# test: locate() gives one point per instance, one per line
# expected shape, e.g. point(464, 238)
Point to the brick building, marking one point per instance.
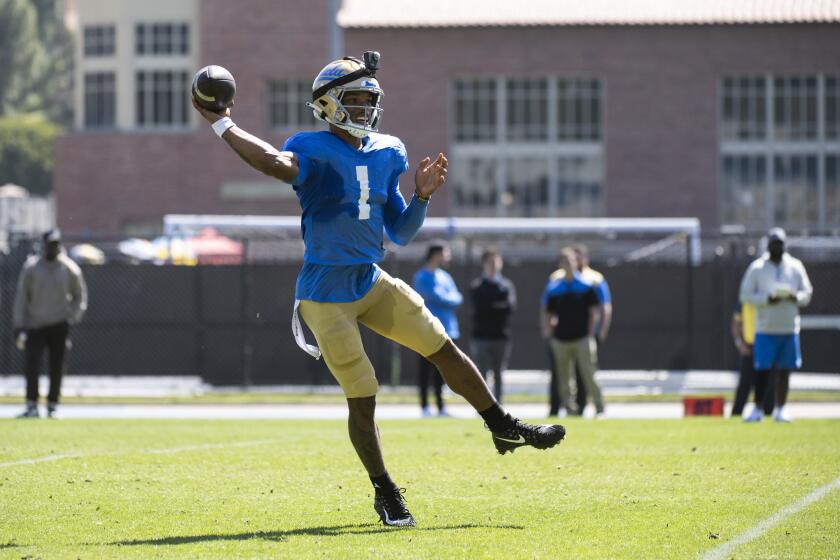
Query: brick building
point(728, 111)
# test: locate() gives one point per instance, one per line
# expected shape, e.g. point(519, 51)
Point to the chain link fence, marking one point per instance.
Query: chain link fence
point(230, 323)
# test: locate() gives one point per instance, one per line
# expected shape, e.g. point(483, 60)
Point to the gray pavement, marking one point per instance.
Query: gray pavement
point(532, 382)
point(800, 411)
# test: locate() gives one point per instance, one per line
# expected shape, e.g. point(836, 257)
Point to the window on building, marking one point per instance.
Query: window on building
point(162, 39)
point(744, 108)
point(580, 186)
point(527, 147)
point(162, 98)
point(99, 100)
point(795, 190)
point(100, 40)
point(526, 188)
point(287, 104)
point(832, 108)
point(779, 148)
point(744, 189)
point(476, 189)
point(795, 108)
point(475, 110)
point(578, 109)
point(527, 109)
point(832, 189)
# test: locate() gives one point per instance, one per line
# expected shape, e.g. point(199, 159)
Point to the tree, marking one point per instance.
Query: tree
point(55, 80)
point(21, 57)
point(26, 151)
point(36, 90)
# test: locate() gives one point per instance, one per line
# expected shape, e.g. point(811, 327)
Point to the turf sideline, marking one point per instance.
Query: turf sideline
point(163, 451)
point(724, 550)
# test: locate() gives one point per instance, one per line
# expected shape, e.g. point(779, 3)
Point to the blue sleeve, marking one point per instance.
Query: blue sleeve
point(443, 294)
point(402, 222)
point(603, 290)
point(417, 281)
point(306, 165)
point(450, 293)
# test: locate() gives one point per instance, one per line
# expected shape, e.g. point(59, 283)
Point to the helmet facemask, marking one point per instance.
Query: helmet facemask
point(372, 112)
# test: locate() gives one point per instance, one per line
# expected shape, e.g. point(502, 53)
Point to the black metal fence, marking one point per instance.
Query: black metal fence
point(230, 324)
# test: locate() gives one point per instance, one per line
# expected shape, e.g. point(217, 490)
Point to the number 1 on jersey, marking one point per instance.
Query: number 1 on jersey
point(364, 192)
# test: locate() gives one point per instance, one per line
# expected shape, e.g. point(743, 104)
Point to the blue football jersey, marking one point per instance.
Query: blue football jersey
point(345, 194)
point(349, 197)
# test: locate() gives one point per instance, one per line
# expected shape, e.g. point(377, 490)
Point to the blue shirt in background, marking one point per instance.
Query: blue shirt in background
point(597, 281)
point(441, 296)
point(570, 301)
point(603, 291)
point(348, 198)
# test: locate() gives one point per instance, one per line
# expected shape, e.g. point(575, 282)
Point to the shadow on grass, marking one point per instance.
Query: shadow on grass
point(282, 536)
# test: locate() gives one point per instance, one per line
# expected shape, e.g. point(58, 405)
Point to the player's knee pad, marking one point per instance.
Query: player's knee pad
point(353, 371)
point(342, 346)
point(366, 386)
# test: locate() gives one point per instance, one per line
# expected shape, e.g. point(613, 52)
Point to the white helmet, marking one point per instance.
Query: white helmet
point(339, 77)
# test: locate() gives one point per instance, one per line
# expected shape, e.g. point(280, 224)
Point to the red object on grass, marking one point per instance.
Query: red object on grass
point(703, 406)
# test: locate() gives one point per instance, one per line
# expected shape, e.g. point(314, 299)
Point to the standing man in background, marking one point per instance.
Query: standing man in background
point(602, 325)
point(743, 333)
point(442, 297)
point(777, 284)
point(51, 295)
point(569, 313)
point(493, 300)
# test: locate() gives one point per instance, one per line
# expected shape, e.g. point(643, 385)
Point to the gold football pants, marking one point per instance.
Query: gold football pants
point(391, 308)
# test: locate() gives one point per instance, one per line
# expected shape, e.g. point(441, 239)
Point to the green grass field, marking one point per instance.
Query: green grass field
point(283, 489)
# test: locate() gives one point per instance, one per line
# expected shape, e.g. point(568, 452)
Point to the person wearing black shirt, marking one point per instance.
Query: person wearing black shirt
point(493, 300)
point(570, 307)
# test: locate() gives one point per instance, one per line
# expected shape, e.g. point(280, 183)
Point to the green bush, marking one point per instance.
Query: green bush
point(26, 151)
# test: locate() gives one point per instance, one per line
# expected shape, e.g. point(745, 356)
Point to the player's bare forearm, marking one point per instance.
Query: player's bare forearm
point(261, 155)
point(254, 151)
point(546, 322)
point(606, 321)
point(736, 328)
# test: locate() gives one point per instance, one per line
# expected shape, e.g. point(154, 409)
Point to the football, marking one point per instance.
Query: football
point(213, 88)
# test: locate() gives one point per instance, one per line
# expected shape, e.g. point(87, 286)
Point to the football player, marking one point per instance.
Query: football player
point(347, 182)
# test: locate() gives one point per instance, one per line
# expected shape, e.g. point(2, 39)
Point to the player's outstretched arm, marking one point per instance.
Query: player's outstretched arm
point(257, 153)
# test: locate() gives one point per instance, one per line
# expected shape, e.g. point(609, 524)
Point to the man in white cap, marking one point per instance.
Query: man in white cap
point(777, 284)
point(51, 295)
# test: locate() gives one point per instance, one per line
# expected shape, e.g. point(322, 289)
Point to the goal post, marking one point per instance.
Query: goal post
point(660, 233)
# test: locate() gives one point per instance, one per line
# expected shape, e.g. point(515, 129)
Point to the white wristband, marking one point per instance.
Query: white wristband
point(221, 125)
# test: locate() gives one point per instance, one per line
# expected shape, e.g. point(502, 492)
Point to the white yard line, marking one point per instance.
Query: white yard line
point(203, 446)
point(725, 549)
point(41, 459)
point(161, 451)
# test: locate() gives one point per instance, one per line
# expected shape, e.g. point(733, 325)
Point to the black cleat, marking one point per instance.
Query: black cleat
point(390, 505)
point(540, 436)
